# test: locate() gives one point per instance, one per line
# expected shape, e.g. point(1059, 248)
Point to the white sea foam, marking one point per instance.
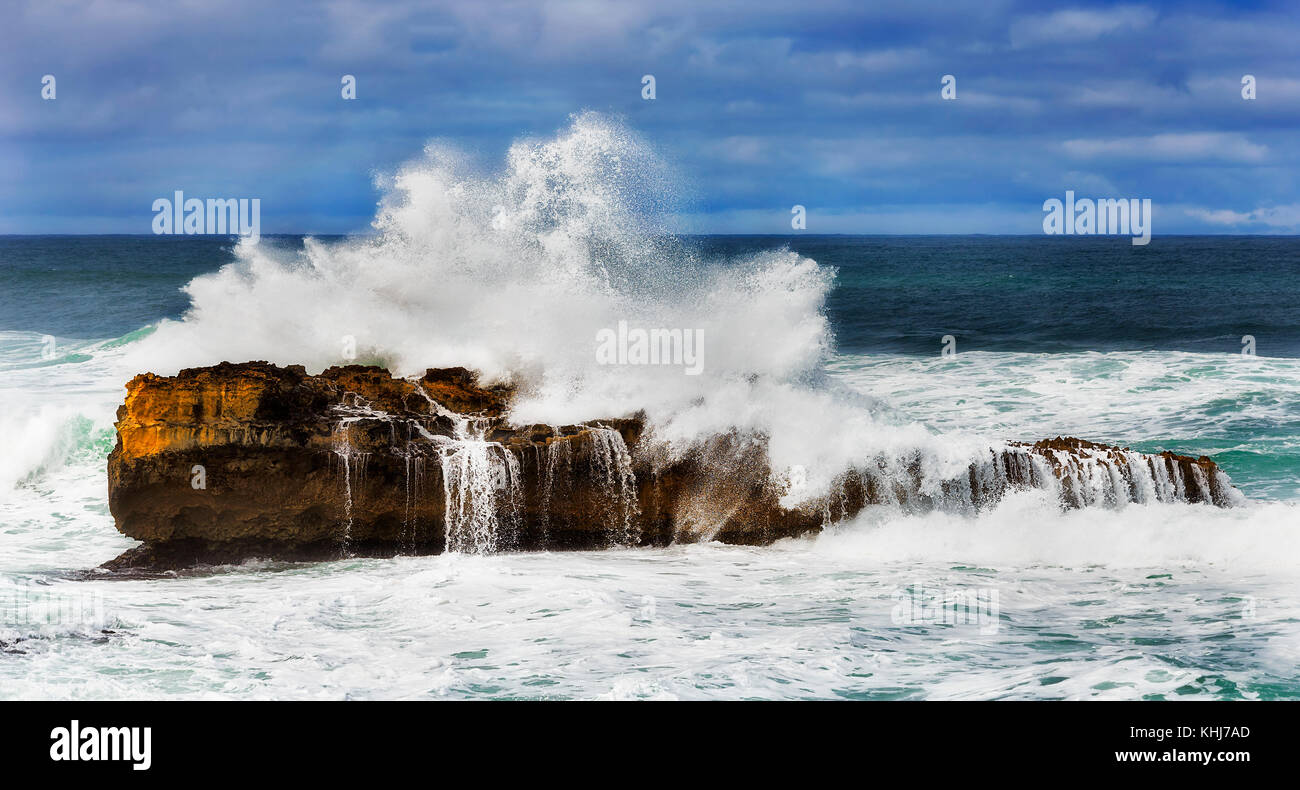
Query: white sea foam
point(1162, 600)
point(1029, 529)
point(53, 409)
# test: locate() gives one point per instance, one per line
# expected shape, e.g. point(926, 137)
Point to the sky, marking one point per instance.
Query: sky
point(759, 106)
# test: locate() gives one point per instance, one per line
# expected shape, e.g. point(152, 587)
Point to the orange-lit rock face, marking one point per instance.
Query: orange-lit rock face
point(248, 459)
point(260, 459)
point(226, 404)
point(259, 404)
point(457, 389)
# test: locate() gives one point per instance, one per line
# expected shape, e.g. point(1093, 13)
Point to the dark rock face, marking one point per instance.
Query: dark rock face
point(222, 463)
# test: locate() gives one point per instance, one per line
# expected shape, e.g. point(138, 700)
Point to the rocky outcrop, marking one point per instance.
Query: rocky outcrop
point(222, 463)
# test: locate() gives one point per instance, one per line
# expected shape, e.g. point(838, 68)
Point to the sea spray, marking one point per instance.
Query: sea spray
point(514, 273)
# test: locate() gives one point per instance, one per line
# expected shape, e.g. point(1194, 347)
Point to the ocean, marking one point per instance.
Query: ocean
point(830, 345)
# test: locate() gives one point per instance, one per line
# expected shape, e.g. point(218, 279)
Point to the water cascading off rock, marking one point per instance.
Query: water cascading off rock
point(354, 461)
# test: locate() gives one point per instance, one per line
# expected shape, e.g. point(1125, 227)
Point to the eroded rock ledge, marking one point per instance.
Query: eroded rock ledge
point(227, 462)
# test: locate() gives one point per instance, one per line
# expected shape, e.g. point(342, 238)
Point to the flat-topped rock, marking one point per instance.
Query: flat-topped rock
point(231, 461)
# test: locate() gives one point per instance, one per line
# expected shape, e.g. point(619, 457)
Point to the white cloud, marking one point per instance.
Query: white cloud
point(880, 60)
point(1179, 147)
point(1074, 25)
point(742, 150)
point(1281, 217)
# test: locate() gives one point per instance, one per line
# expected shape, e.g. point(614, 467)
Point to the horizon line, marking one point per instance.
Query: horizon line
point(754, 234)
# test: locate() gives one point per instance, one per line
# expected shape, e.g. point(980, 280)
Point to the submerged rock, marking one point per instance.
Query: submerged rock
point(233, 461)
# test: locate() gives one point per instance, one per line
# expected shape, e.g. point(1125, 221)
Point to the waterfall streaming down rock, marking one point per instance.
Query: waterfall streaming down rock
point(483, 490)
point(345, 452)
point(612, 467)
point(481, 481)
point(1076, 474)
point(556, 471)
point(580, 482)
point(414, 484)
point(1115, 478)
point(593, 468)
point(352, 462)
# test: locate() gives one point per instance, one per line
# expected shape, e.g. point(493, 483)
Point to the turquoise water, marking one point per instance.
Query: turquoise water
point(1093, 340)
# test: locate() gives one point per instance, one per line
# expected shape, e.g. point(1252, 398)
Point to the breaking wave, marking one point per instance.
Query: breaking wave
point(517, 272)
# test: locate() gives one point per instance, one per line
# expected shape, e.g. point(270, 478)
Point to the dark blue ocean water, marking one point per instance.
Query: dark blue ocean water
point(1054, 293)
point(893, 293)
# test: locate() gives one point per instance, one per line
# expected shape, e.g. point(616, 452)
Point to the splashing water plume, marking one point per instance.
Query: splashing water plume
point(515, 274)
